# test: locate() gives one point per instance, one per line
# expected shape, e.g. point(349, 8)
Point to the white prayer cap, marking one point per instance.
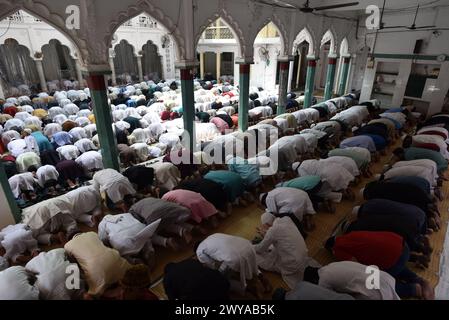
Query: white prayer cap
point(295, 166)
point(267, 218)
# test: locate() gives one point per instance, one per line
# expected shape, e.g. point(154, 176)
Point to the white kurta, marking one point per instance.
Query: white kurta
point(224, 252)
point(113, 183)
point(350, 277)
point(411, 171)
point(346, 162)
point(46, 173)
point(289, 200)
point(283, 250)
point(17, 239)
point(78, 133)
point(14, 285)
point(90, 160)
point(167, 174)
point(50, 270)
point(334, 174)
point(125, 233)
point(425, 163)
point(36, 216)
point(22, 181)
point(68, 152)
point(85, 145)
point(17, 147)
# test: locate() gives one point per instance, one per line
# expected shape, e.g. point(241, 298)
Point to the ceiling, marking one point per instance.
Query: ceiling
point(390, 4)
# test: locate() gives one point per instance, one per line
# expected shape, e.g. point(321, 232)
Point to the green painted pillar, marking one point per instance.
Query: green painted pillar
point(310, 82)
point(330, 78)
point(13, 207)
point(243, 96)
point(344, 76)
point(188, 106)
point(283, 85)
point(103, 120)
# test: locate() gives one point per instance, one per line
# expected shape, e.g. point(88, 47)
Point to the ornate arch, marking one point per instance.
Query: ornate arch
point(305, 35)
point(329, 35)
point(41, 11)
point(344, 47)
point(145, 6)
point(279, 26)
point(232, 24)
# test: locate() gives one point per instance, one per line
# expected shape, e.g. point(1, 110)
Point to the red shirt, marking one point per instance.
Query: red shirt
point(382, 249)
point(430, 146)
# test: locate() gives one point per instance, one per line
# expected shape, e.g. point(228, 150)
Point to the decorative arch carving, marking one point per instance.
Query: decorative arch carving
point(233, 26)
point(147, 7)
point(305, 35)
point(41, 11)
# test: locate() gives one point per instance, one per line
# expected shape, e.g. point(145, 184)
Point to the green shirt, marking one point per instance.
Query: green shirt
point(422, 153)
point(305, 183)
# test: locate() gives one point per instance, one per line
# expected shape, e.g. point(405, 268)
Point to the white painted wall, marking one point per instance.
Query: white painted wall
point(403, 42)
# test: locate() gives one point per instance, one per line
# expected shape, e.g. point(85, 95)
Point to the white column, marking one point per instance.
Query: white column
point(40, 72)
point(290, 76)
point(113, 76)
point(218, 62)
point(79, 74)
point(202, 65)
point(139, 67)
point(2, 92)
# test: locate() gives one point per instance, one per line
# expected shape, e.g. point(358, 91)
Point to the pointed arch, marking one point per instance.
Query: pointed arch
point(230, 23)
point(42, 12)
point(146, 7)
point(305, 36)
point(344, 47)
point(329, 35)
point(280, 29)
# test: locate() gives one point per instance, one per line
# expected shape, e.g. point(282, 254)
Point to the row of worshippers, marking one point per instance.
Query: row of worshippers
point(387, 231)
point(55, 220)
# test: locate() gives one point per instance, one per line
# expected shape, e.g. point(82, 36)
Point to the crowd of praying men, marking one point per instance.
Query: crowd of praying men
point(56, 173)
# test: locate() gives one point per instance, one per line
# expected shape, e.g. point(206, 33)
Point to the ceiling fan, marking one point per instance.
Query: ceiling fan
point(306, 8)
point(412, 27)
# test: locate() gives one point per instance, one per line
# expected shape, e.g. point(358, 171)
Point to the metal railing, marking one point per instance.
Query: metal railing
point(221, 32)
point(141, 22)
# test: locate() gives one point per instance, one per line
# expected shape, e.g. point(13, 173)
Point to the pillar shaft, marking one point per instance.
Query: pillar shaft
point(290, 76)
point(243, 96)
point(344, 76)
point(40, 72)
point(2, 91)
point(113, 75)
point(139, 67)
point(310, 80)
point(202, 65)
point(188, 107)
point(103, 120)
point(79, 74)
point(283, 83)
point(218, 63)
point(330, 78)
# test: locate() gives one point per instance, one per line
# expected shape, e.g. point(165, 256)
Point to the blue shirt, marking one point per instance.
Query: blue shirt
point(62, 138)
point(248, 172)
point(362, 141)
